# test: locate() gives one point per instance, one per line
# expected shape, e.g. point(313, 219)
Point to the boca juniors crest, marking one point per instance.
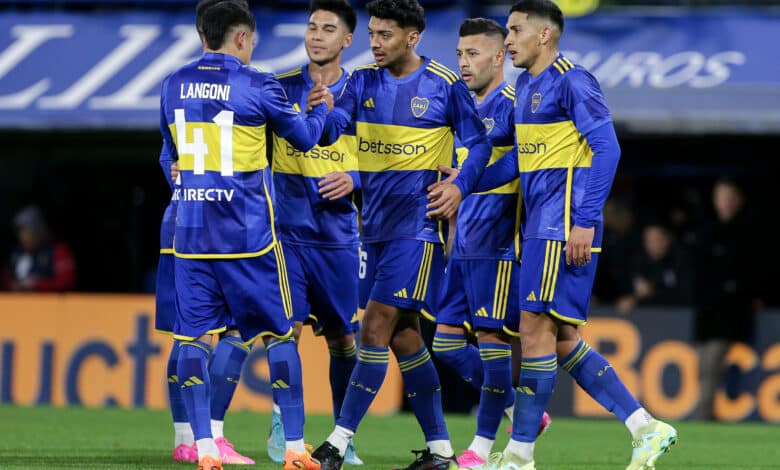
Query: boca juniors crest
point(419, 106)
point(489, 123)
point(536, 100)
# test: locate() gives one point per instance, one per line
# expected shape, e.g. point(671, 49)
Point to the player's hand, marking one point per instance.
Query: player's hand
point(336, 185)
point(175, 172)
point(319, 94)
point(451, 173)
point(579, 245)
point(445, 199)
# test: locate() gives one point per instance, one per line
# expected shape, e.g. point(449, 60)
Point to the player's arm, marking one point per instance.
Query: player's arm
point(462, 116)
point(503, 171)
point(168, 154)
point(343, 114)
point(302, 132)
point(588, 110)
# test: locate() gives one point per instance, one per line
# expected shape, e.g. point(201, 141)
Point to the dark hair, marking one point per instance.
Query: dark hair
point(342, 8)
point(220, 18)
point(204, 5)
point(541, 9)
point(407, 13)
point(488, 27)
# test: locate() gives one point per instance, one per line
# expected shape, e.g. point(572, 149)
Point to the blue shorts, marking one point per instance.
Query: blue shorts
point(324, 286)
point(365, 265)
point(406, 274)
point(165, 295)
point(549, 285)
point(481, 294)
point(251, 293)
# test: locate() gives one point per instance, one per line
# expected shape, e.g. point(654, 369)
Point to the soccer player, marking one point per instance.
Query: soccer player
point(567, 154)
point(405, 108)
point(480, 288)
point(230, 353)
point(228, 267)
point(317, 219)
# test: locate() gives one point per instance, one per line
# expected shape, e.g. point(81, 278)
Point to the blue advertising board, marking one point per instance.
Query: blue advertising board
point(697, 72)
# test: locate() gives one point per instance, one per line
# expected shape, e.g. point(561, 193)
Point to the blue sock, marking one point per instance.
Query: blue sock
point(194, 381)
point(537, 381)
point(178, 411)
point(342, 363)
point(365, 381)
point(496, 389)
point(287, 383)
point(597, 377)
point(457, 353)
point(224, 372)
point(422, 387)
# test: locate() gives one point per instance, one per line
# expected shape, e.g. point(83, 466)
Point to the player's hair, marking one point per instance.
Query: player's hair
point(204, 5)
point(341, 8)
point(488, 27)
point(544, 9)
point(220, 18)
point(407, 13)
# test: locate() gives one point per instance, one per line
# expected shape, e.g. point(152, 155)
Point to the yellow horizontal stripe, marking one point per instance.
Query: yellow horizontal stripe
point(249, 144)
point(317, 162)
point(384, 147)
point(427, 315)
point(169, 333)
point(513, 187)
point(166, 251)
point(595, 250)
point(551, 145)
point(564, 318)
point(291, 73)
point(225, 255)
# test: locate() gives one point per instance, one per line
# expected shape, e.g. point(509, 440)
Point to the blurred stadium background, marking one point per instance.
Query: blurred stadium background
point(694, 87)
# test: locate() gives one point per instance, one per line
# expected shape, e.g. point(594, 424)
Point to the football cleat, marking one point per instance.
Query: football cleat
point(655, 439)
point(276, 445)
point(209, 463)
point(470, 459)
point(228, 454)
point(328, 456)
point(426, 460)
point(185, 453)
point(350, 457)
point(295, 461)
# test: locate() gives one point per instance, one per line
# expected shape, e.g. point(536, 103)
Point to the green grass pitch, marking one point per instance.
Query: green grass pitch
point(54, 438)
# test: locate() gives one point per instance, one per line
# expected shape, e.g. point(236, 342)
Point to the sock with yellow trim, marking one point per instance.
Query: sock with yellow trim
point(342, 363)
point(364, 383)
point(284, 365)
point(597, 377)
point(537, 381)
point(225, 371)
point(455, 351)
point(496, 390)
point(195, 386)
point(182, 431)
point(422, 388)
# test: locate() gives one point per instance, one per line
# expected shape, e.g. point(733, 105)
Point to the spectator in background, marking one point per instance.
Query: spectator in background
point(726, 287)
point(661, 272)
point(39, 263)
point(613, 278)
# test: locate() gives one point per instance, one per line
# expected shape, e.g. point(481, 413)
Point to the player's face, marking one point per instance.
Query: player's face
point(388, 41)
point(479, 59)
point(326, 36)
point(523, 41)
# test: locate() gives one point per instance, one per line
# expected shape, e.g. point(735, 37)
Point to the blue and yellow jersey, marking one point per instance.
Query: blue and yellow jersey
point(488, 222)
point(553, 113)
point(304, 216)
point(214, 114)
point(405, 129)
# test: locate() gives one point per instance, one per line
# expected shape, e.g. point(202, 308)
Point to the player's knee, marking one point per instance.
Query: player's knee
point(337, 339)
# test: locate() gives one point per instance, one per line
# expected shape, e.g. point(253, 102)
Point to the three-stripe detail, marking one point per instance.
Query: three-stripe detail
point(552, 260)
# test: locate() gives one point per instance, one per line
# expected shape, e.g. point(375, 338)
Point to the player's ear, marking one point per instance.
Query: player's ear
point(347, 41)
point(412, 39)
